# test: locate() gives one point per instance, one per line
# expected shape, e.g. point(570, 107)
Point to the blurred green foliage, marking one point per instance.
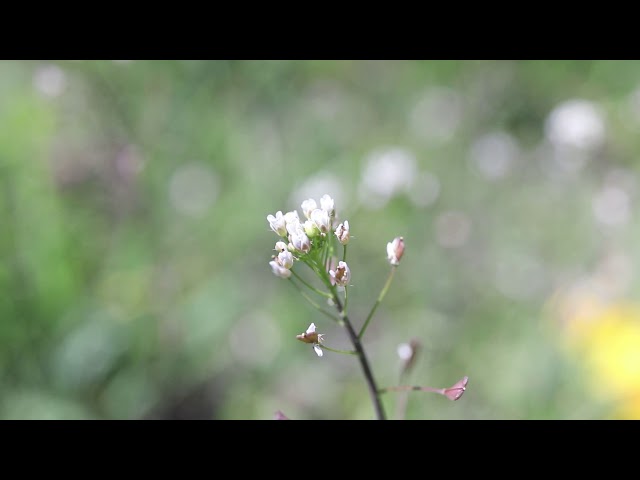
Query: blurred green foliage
point(135, 246)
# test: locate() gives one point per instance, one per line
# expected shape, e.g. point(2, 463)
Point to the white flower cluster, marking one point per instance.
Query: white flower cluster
point(300, 234)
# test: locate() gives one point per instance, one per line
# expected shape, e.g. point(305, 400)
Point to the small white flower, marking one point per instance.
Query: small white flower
point(292, 218)
point(395, 249)
point(278, 270)
point(311, 336)
point(342, 232)
point(321, 219)
point(341, 275)
point(280, 246)
point(285, 259)
point(299, 240)
point(277, 223)
point(327, 204)
point(310, 228)
point(308, 206)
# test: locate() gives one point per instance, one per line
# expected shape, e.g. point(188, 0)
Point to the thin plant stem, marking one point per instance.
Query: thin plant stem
point(405, 388)
point(364, 363)
point(344, 253)
point(311, 287)
point(346, 298)
point(383, 292)
point(402, 402)
point(346, 352)
point(312, 302)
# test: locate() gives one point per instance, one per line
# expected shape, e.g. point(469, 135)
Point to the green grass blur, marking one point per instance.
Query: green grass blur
point(134, 244)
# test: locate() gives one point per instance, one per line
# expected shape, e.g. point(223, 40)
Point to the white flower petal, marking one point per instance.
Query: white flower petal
point(311, 329)
point(318, 350)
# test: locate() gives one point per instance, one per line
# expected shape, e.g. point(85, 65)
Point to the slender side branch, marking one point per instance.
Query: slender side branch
point(311, 287)
point(314, 304)
point(383, 292)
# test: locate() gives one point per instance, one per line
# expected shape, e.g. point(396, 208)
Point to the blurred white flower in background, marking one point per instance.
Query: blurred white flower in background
point(193, 189)
point(436, 115)
point(387, 172)
point(50, 80)
point(576, 123)
point(316, 186)
point(493, 155)
point(453, 229)
point(611, 206)
point(424, 190)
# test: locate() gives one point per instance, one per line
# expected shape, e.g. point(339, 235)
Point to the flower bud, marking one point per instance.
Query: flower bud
point(342, 274)
point(342, 232)
point(308, 206)
point(321, 219)
point(285, 259)
point(278, 270)
point(311, 229)
point(455, 392)
point(395, 250)
point(280, 246)
point(300, 241)
point(277, 223)
point(327, 204)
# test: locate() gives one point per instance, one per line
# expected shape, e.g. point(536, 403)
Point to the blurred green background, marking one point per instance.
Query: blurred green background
point(135, 247)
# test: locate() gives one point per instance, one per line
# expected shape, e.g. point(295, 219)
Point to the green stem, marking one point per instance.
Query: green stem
point(383, 292)
point(344, 253)
point(405, 388)
point(346, 352)
point(311, 287)
point(346, 298)
point(312, 302)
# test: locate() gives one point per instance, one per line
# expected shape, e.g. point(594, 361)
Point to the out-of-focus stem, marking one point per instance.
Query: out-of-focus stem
point(383, 292)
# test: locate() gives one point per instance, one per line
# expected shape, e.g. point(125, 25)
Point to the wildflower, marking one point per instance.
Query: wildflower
point(279, 270)
point(308, 206)
point(341, 275)
point(342, 232)
point(299, 239)
point(395, 250)
point(327, 204)
point(285, 259)
point(321, 219)
point(277, 223)
point(280, 246)
point(291, 218)
point(310, 228)
point(280, 416)
point(311, 336)
point(455, 392)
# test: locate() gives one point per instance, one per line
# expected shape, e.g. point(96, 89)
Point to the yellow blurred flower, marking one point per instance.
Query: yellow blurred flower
point(606, 336)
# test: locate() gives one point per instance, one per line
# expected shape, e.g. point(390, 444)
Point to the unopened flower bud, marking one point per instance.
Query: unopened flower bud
point(280, 416)
point(311, 229)
point(321, 219)
point(280, 246)
point(308, 206)
point(342, 232)
point(292, 218)
point(341, 275)
point(285, 259)
point(455, 392)
point(277, 223)
point(327, 204)
point(278, 270)
point(300, 241)
point(395, 250)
